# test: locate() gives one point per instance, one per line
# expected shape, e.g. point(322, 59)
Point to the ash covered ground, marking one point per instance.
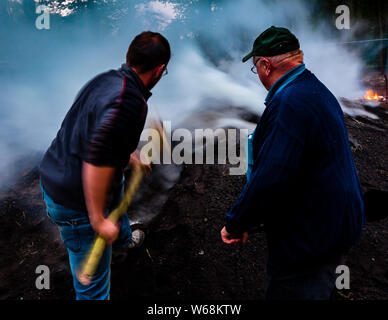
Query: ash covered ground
point(183, 256)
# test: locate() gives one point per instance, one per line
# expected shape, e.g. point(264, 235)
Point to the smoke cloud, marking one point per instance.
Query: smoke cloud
point(41, 71)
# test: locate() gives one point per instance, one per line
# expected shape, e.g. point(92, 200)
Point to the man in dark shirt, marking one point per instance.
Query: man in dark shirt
point(82, 171)
point(303, 186)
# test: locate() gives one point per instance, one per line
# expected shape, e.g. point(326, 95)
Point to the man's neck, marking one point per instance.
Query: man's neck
point(144, 77)
point(281, 72)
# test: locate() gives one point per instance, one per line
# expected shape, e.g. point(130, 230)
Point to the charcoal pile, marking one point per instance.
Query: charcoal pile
point(183, 256)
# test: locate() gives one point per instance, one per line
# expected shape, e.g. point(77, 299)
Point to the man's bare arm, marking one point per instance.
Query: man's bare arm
point(96, 184)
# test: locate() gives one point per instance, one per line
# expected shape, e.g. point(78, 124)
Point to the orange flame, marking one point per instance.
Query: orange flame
point(372, 96)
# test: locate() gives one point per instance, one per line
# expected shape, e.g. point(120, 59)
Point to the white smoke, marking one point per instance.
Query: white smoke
point(195, 79)
point(207, 41)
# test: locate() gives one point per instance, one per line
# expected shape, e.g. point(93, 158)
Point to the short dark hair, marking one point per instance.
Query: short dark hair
point(147, 51)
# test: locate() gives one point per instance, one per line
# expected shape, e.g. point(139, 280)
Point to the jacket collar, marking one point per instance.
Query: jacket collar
point(284, 81)
point(130, 73)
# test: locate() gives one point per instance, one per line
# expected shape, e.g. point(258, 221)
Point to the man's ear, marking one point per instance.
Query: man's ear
point(159, 70)
point(267, 65)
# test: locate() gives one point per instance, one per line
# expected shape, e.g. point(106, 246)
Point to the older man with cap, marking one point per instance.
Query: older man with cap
point(303, 187)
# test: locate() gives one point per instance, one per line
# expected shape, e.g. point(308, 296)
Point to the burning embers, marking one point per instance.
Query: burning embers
point(373, 96)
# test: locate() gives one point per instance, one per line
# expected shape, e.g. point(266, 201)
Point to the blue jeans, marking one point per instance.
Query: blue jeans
point(78, 236)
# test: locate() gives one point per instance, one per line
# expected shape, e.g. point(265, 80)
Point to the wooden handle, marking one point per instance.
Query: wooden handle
point(90, 264)
point(93, 258)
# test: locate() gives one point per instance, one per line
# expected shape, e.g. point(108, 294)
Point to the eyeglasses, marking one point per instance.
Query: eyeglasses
point(253, 69)
point(165, 72)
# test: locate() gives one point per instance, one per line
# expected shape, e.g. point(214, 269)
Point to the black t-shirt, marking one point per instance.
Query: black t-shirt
point(102, 127)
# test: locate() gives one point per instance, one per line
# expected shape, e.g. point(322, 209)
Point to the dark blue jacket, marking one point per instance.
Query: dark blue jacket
point(304, 185)
point(103, 128)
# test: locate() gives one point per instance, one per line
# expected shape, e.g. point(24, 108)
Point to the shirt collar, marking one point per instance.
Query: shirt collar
point(284, 81)
point(130, 73)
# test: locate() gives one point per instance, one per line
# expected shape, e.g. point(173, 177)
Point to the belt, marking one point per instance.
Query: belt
point(71, 223)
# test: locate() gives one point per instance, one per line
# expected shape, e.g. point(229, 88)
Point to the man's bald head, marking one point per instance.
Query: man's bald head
point(270, 69)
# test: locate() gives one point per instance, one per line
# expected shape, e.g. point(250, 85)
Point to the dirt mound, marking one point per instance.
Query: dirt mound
point(183, 256)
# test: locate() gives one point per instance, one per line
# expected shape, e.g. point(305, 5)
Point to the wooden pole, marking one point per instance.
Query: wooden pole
point(92, 260)
point(90, 264)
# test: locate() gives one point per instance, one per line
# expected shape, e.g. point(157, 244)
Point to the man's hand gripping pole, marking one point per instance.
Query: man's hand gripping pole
point(90, 264)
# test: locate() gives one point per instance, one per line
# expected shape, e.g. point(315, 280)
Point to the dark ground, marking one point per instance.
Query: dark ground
point(183, 256)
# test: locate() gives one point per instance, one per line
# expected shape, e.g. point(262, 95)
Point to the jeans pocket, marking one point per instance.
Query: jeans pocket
point(86, 236)
point(78, 238)
point(70, 236)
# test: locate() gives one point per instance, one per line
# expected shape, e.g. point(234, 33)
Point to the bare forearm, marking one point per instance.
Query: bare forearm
point(96, 184)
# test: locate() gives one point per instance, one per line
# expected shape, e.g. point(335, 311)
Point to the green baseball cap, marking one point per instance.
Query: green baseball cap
point(272, 42)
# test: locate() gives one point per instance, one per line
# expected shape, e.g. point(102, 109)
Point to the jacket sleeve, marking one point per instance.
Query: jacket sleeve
point(273, 173)
point(117, 134)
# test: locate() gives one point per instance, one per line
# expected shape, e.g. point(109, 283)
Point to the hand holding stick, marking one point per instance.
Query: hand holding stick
point(90, 264)
point(92, 260)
